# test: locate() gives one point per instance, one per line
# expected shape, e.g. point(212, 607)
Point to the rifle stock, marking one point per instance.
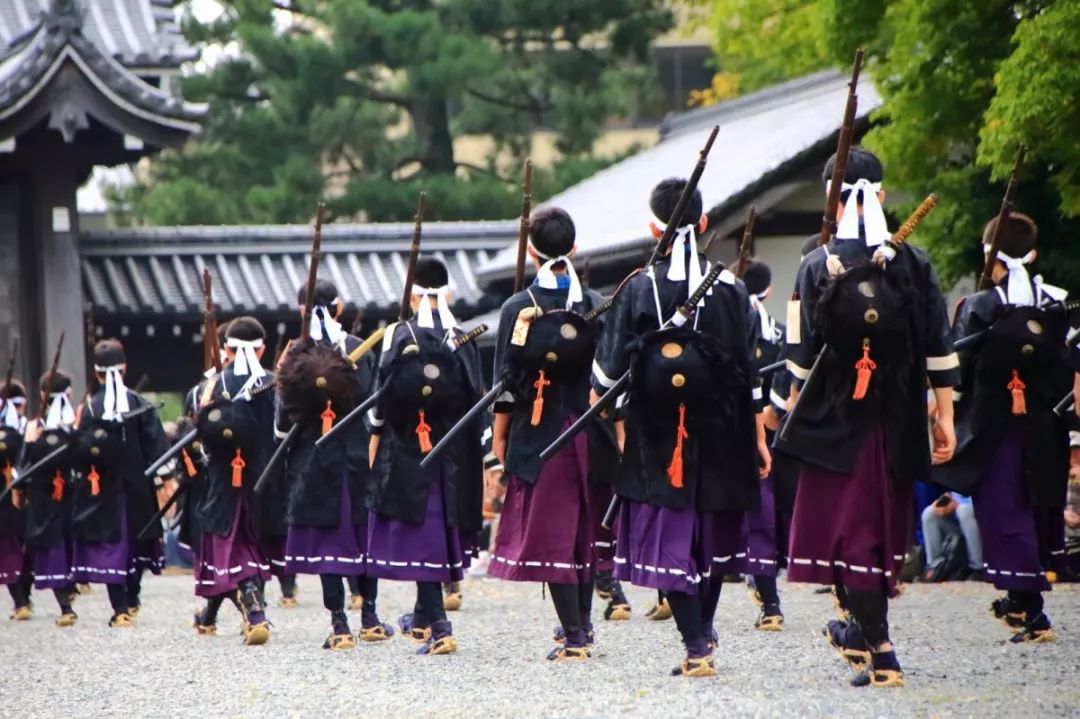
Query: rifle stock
point(843, 147)
point(50, 377)
point(986, 280)
point(414, 255)
point(523, 229)
point(664, 244)
point(211, 350)
point(746, 244)
point(313, 270)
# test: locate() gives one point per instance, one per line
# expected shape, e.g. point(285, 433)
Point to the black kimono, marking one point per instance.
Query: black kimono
point(689, 469)
point(1012, 452)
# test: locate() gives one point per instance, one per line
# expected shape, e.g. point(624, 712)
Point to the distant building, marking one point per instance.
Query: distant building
point(769, 153)
point(82, 83)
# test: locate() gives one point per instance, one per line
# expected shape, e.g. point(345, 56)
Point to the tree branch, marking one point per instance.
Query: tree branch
point(533, 106)
point(370, 93)
point(485, 170)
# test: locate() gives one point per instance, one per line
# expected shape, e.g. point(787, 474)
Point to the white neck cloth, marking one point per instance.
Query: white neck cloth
point(874, 223)
point(116, 399)
point(9, 416)
point(545, 277)
point(684, 252)
point(1018, 289)
point(61, 413)
point(424, 317)
point(323, 325)
point(763, 317)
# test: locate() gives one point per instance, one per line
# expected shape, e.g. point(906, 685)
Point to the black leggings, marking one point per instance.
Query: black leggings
point(429, 604)
point(766, 589)
point(1031, 603)
point(288, 585)
point(333, 592)
point(118, 597)
point(573, 605)
point(871, 612)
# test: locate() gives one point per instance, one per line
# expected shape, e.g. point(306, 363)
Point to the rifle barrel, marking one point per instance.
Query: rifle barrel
point(986, 280)
point(414, 255)
point(662, 246)
point(523, 229)
point(313, 270)
point(843, 147)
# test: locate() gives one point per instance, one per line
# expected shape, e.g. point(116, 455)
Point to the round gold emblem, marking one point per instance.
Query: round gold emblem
point(866, 289)
point(1027, 350)
point(226, 433)
point(95, 451)
point(99, 433)
point(320, 382)
point(678, 380)
point(757, 352)
point(870, 316)
point(426, 390)
point(431, 371)
point(51, 439)
point(551, 358)
point(1034, 327)
point(568, 331)
point(3, 446)
point(671, 350)
point(214, 415)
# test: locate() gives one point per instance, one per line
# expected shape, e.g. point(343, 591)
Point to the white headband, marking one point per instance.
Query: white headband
point(874, 223)
point(424, 318)
point(684, 244)
point(247, 359)
point(323, 325)
point(116, 399)
point(763, 316)
point(61, 413)
point(545, 277)
point(1018, 289)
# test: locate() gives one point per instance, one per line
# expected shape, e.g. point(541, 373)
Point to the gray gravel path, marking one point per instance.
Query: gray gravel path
point(957, 659)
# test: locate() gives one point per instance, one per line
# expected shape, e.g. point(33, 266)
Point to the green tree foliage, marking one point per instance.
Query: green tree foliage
point(965, 83)
point(361, 100)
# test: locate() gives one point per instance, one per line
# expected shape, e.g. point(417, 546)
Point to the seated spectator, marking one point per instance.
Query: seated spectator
point(945, 523)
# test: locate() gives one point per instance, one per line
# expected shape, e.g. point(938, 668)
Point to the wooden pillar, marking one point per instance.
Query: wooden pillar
point(57, 295)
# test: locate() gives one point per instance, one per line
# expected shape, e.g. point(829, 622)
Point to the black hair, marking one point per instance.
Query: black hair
point(15, 389)
point(247, 329)
point(326, 294)
point(223, 332)
point(552, 232)
point(430, 273)
point(757, 277)
point(809, 245)
point(1018, 236)
point(60, 382)
point(666, 195)
point(861, 165)
point(109, 353)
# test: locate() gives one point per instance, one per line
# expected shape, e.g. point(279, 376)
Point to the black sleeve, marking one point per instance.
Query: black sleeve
point(152, 437)
point(612, 359)
point(942, 364)
point(504, 403)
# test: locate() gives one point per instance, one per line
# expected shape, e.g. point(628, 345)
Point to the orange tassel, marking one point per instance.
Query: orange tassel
point(58, 486)
point(538, 403)
point(9, 474)
point(675, 469)
point(237, 465)
point(1017, 387)
point(95, 481)
point(423, 433)
point(189, 466)
point(865, 367)
point(327, 417)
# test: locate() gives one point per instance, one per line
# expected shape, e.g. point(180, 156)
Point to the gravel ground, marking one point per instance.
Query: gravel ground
point(956, 656)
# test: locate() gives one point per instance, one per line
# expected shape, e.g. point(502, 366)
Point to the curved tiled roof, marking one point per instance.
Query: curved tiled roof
point(762, 135)
point(136, 33)
point(157, 271)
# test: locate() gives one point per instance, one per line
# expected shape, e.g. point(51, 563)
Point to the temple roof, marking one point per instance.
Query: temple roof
point(68, 64)
point(155, 273)
point(135, 33)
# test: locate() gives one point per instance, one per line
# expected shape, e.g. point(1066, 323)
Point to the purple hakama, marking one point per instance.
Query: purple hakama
point(851, 529)
point(337, 550)
point(428, 552)
point(52, 567)
point(603, 539)
point(226, 561)
point(763, 555)
point(674, 550)
point(545, 531)
point(112, 562)
point(1018, 542)
point(11, 560)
